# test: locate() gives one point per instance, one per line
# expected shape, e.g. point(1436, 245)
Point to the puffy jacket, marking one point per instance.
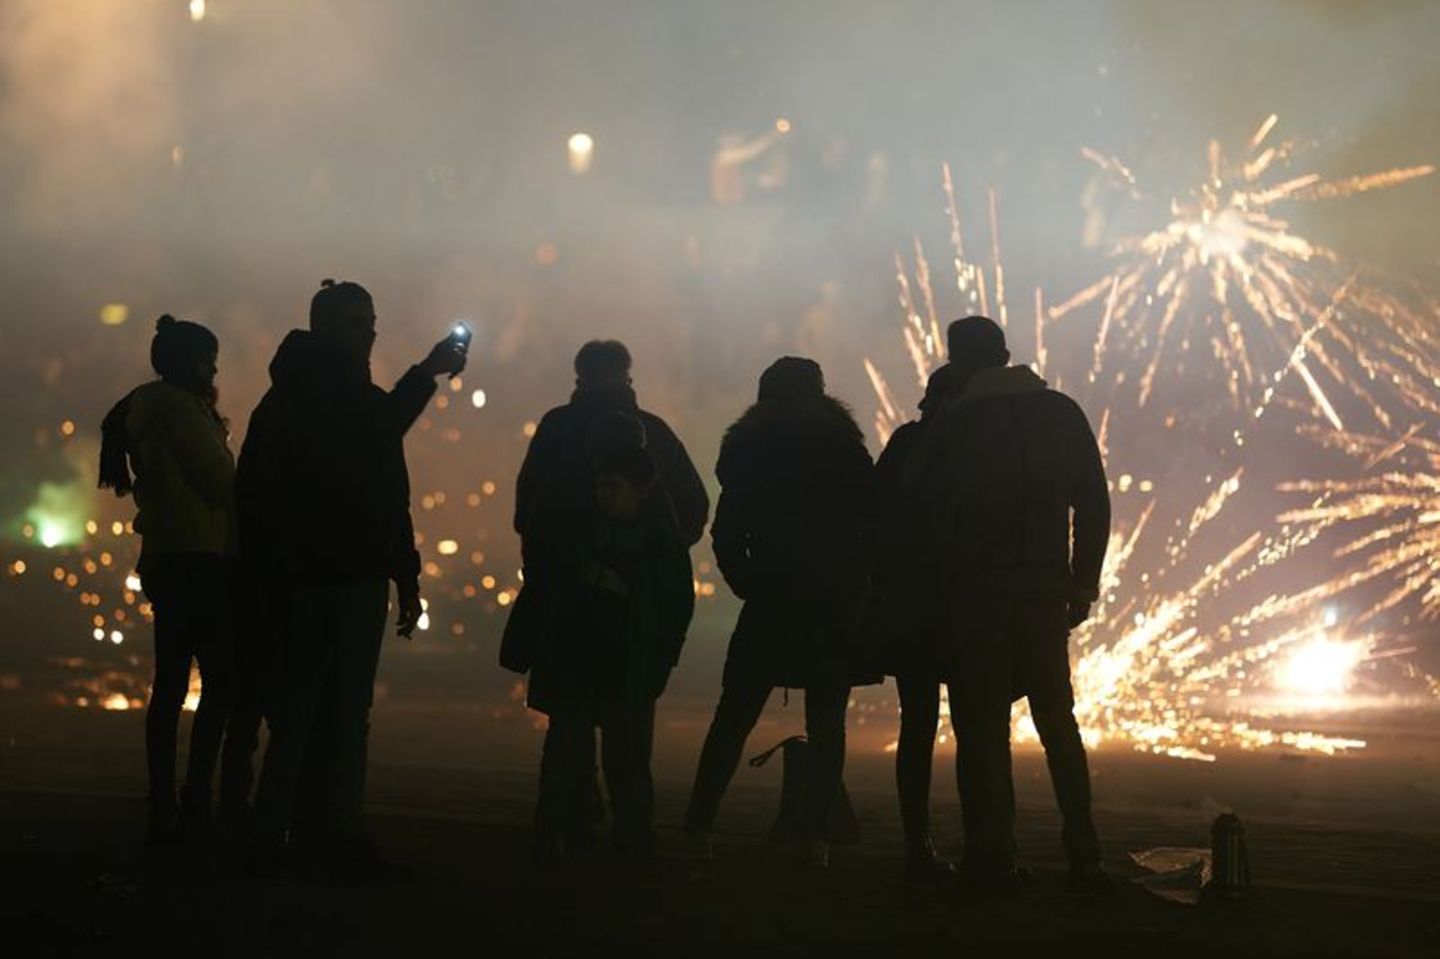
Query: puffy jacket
point(1006, 463)
point(184, 473)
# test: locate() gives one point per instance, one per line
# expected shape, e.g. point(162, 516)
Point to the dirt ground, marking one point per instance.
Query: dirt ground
point(1345, 855)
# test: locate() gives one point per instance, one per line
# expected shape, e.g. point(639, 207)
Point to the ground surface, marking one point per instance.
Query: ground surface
point(1346, 860)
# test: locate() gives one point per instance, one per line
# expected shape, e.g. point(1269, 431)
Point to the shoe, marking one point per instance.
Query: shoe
point(1090, 879)
point(700, 846)
point(815, 854)
point(994, 883)
point(924, 865)
point(193, 825)
point(356, 861)
point(160, 823)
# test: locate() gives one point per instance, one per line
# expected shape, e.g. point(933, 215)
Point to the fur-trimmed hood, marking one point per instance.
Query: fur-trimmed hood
point(767, 431)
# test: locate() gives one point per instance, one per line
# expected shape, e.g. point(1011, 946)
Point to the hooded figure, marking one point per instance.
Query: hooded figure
point(795, 482)
point(324, 500)
point(1013, 478)
point(171, 434)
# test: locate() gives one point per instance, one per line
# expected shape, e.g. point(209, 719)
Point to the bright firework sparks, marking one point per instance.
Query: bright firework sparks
point(1226, 276)
point(1146, 672)
point(1398, 512)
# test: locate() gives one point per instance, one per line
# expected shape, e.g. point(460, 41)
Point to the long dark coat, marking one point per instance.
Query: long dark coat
point(789, 537)
point(907, 617)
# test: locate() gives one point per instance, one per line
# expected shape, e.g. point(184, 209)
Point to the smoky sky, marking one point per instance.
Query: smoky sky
point(219, 169)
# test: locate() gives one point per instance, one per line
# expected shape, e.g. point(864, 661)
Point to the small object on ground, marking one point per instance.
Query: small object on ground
point(843, 828)
point(1230, 859)
point(1176, 873)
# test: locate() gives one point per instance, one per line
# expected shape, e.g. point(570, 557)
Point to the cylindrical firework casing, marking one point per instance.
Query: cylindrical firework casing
point(1229, 858)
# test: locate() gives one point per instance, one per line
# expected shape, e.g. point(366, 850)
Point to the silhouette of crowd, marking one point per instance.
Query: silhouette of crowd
point(963, 557)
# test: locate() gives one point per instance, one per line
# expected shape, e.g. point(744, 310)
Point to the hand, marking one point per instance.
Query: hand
point(447, 357)
point(1079, 612)
point(410, 611)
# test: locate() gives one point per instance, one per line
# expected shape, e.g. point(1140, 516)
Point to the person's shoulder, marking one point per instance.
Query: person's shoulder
point(656, 426)
point(555, 416)
point(1062, 402)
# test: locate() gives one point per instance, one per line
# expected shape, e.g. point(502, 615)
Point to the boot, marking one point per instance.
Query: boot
point(192, 824)
point(923, 864)
point(160, 821)
point(1089, 878)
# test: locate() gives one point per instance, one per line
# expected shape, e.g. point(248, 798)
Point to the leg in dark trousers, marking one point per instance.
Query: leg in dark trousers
point(825, 708)
point(1043, 668)
point(982, 727)
point(736, 714)
point(564, 809)
point(189, 594)
point(915, 755)
point(350, 693)
point(627, 738)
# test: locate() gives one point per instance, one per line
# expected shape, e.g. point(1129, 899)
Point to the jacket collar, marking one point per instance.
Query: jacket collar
point(998, 381)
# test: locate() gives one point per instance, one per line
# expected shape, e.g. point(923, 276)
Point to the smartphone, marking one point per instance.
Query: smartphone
point(461, 334)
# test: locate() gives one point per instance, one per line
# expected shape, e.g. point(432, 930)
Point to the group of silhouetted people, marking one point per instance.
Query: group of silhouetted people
point(964, 556)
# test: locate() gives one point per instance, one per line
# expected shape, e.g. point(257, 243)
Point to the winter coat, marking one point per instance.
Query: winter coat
point(558, 448)
point(789, 539)
point(607, 603)
point(323, 488)
point(1005, 465)
point(184, 473)
point(907, 617)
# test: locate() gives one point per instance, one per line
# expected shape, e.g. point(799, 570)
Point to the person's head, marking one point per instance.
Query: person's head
point(975, 343)
point(791, 379)
point(343, 314)
point(184, 354)
point(624, 477)
point(602, 364)
point(613, 429)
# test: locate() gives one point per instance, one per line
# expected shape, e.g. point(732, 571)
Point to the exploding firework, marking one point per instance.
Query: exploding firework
point(1225, 286)
point(1393, 516)
point(1188, 645)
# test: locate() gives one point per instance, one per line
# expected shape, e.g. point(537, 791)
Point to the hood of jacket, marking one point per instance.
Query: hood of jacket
point(305, 362)
point(822, 421)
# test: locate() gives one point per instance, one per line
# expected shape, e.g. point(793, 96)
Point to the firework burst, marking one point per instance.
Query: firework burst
point(1188, 645)
point(1225, 285)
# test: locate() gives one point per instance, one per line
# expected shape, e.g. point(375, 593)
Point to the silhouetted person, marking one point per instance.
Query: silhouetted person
point(910, 612)
point(1010, 467)
point(324, 496)
point(175, 439)
point(609, 568)
point(602, 384)
point(795, 482)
